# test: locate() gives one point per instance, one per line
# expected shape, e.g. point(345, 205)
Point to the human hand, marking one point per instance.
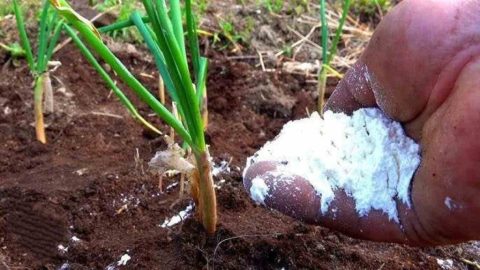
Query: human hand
point(422, 68)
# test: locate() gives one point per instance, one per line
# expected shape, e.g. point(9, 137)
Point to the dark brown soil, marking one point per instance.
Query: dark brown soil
point(75, 185)
point(87, 183)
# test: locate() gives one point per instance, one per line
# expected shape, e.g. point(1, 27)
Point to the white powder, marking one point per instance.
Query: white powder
point(367, 155)
point(223, 167)
point(258, 190)
point(445, 264)
point(124, 259)
point(182, 215)
point(449, 203)
point(62, 248)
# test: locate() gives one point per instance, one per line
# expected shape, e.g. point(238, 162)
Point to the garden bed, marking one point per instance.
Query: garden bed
point(87, 200)
point(83, 200)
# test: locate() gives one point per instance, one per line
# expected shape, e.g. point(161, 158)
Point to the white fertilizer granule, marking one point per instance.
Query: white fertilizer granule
point(124, 259)
point(182, 215)
point(367, 155)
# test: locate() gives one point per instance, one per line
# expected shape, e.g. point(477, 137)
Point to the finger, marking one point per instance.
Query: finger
point(285, 193)
point(408, 67)
point(294, 196)
point(446, 191)
point(406, 54)
point(353, 92)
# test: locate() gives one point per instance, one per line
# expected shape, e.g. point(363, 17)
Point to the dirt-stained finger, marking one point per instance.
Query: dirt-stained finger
point(288, 194)
point(294, 196)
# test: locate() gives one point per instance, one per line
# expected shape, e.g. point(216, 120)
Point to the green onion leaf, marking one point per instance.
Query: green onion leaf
point(23, 35)
point(108, 80)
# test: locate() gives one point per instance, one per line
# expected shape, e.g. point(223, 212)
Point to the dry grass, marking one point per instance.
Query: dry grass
point(354, 39)
point(296, 45)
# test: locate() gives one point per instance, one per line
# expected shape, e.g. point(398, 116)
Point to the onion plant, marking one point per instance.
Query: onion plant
point(122, 9)
point(328, 54)
point(49, 33)
point(162, 31)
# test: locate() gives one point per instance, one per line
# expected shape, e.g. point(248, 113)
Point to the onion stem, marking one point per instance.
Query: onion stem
point(328, 54)
point(162, 32)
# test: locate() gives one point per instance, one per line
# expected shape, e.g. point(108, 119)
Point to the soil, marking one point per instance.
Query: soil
point(91, 181)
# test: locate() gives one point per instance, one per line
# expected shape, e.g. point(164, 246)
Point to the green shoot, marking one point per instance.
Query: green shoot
point(273, 6)
point(227, 30)
point(50, 28)
point(23, 35)
point(328, 54)
point(176, 20)
point(15, 50)
point(122, 9)
point(166, 42)
point(120, 25)
point(108, 80)
point(371, 8)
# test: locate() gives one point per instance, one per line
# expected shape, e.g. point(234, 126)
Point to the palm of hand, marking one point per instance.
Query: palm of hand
point(424, 72)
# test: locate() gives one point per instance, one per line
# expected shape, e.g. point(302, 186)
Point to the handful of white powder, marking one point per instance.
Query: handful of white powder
point(367, 155)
